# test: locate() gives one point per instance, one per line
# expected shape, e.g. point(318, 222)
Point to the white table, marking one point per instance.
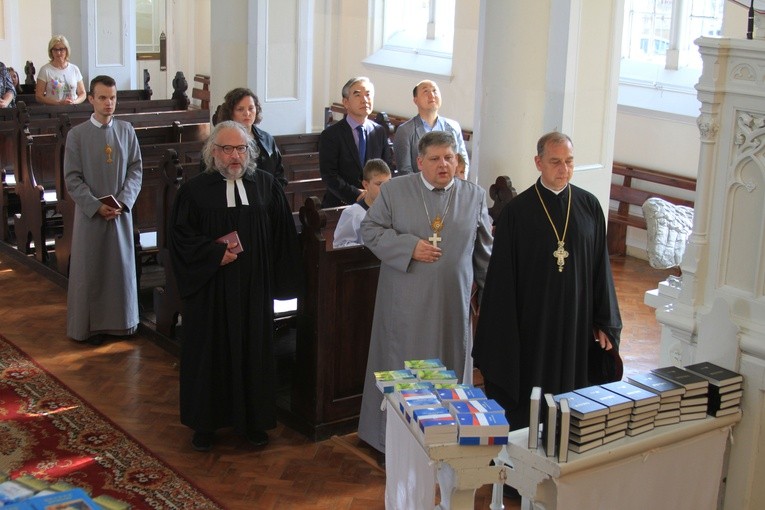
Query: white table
point(412, 469)
point(676, 466)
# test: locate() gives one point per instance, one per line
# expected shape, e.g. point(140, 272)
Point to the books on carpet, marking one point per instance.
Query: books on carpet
point(387, 379)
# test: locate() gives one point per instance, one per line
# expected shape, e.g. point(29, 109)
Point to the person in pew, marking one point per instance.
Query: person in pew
point(432, 234)
point(102, 159)
point(243, 106)
point(15, 80)
point(7, 88)
point(59, 81)
point(345, 146)
point(228, 290)
point(549, 306)
point(347, 231)
point(461, 172)
point(427, 98)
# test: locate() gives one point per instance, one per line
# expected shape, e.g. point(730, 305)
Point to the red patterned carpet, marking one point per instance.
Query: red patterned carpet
point(49, 432)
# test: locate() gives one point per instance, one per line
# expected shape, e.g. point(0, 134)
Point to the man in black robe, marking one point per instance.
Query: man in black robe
point(549, 303)
point(227, 358)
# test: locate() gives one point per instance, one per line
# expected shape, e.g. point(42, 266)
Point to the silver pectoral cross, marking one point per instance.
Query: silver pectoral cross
point(434, 239)
point(561, 255)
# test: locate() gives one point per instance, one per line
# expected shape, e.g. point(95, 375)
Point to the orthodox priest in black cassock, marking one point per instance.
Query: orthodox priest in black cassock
point(538, 317)
point(227, 367)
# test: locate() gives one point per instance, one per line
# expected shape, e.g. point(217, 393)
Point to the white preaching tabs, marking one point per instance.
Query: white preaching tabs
point(230, 197)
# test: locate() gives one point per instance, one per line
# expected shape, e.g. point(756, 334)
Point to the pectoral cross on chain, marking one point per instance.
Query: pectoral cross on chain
point(560, 254)
point(435, 239)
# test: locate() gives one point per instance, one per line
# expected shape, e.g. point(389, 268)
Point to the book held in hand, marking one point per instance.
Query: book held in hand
point(231, 238)
point(111, 201)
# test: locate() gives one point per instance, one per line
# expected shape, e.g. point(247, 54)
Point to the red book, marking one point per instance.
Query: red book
point(111, 201)
point(231, 238)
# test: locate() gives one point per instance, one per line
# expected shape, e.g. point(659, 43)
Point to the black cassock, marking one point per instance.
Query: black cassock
point(227, 357)
point(536, 324)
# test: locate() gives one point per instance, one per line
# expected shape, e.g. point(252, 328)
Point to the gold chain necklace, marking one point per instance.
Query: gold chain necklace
point(438, 222)
point(560, 254)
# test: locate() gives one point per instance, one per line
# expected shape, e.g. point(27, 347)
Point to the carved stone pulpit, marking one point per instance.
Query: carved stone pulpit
point(717, 310)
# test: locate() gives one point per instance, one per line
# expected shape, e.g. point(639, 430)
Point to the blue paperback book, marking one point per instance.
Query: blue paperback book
point(475, 427)
point(75, 499)
point(476, 406)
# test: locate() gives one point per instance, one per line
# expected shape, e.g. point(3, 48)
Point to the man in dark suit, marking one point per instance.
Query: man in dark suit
point(347, 145)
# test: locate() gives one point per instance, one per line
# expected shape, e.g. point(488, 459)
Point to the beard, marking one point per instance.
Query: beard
point(232, 171)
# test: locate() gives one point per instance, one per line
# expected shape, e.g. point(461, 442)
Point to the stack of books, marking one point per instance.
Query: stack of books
point(725, 388)
point(482, 428)
point(435, 425)
point(669, 394)
point(475, 406)
point(466, 392)
point(645, 406)
point(588, 422)
point(387, 379)
point(693, 404)
point(437, 376)
point(410, 400)
point(619, 410)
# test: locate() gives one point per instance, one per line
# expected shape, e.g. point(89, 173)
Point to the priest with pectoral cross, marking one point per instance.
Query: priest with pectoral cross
point(549, 306)
point(432, 234)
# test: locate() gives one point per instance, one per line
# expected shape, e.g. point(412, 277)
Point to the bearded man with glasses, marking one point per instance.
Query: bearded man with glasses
point(234, 249)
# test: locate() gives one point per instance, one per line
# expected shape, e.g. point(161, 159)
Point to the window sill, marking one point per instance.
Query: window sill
point(388, 59)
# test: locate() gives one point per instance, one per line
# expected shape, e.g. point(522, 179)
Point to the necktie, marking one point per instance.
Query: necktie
point(362, 144)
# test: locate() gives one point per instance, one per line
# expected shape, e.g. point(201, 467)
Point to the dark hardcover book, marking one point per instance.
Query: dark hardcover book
point(723, 412)
point(581, 448)
point(656, 384)
point(549, 423)
point(231, 238)
point(715, 396)
point(693, 416)
point(640, 396)
point(640, 430)
point(715, 374)
point(671, 420)
point(564, 428)
point(583, 431)
point(111, 201)
point(614, 436)
point(613, 401)
point(682, 377)
point(582, 408)
point(534, 405)
point(575, 438)
point(636, 424)
point(596, 420)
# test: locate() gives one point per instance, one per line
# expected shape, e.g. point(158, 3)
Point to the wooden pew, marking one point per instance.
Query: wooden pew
point(41, 156)
point(298, 144)
point(638, 185)
point(303, 177)
point(333, 328)
point(8, 156)
point(203, 94)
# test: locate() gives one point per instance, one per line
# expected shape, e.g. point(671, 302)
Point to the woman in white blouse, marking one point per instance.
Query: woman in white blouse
point(59, 81)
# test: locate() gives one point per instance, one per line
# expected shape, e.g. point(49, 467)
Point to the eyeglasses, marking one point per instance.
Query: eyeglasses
point(58, 49)
point(229, 149)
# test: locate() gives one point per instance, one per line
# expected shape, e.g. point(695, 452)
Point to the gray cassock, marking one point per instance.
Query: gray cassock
point(102, 296)
point(422, 309)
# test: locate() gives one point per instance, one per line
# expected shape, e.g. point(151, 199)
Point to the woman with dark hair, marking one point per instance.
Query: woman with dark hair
point(242, 105)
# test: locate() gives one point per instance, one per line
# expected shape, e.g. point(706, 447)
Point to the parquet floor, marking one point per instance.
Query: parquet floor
point(135, 383)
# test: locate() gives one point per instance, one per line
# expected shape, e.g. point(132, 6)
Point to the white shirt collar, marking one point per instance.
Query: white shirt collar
point(552, 190)
point(431, 187)
point(98, 124)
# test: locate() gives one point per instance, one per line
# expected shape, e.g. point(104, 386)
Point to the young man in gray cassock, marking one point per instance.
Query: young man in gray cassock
point(432, 233)
point(102, 158)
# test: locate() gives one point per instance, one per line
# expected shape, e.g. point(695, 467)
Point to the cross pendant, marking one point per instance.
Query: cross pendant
point(561, 255)
point(434, 239)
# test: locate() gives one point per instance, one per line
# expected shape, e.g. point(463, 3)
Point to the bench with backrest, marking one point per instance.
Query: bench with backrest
point(631, 186)
point(8, 156)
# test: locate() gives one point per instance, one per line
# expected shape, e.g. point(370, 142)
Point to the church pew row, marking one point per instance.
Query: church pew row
point(42, 167)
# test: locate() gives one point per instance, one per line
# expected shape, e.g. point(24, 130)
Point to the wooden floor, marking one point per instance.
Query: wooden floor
point(135, 383)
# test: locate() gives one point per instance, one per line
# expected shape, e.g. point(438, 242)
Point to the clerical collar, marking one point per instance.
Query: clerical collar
point(98, 124)
point(552, 190)
point(431, 187)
